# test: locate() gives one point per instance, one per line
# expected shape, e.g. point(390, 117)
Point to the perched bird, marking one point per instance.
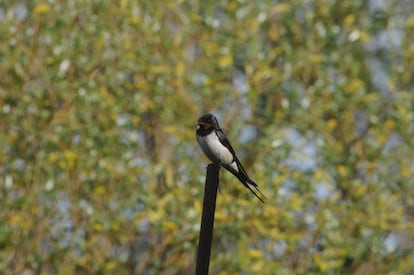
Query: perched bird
point(217, 148)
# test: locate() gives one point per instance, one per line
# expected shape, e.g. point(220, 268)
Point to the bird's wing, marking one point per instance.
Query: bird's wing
point(244, 178)
point(224, 140)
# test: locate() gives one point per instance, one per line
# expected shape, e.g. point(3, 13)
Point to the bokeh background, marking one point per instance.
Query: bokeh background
point(100, 172)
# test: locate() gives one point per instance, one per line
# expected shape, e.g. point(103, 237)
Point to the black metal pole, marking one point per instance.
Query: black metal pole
point(207, 220)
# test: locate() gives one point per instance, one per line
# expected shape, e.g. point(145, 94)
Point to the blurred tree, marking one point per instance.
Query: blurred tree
point(100, 172)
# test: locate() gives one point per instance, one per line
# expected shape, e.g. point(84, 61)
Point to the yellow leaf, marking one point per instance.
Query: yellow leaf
point(332, 124)
point(405, 172)
point(256, 254)
point(136, 120)
point(278, 114)
point(53, 157)
point(170, 129)
point(116, 227)
point(320, 263)
point(138, 218)
point(169, 225)
point(135, 20)
point(62, 164)
point(281, 8)
point(169, 176)
point(273, 34)
point(196, 18)
point(355, 85)
point(123, 4)
point(225, 60)
point(370, 97)
point(70, 155)
point(389, 124)
point(410, 21)
point(158, 69)
point(100, 190)
point(211, 48)
point(179, 68)
point(220, 216)
point(98, 227)
point(41, 9)
point(258, 224)
point(349, 19)
point(15, 218)
point(275, 234)
point(270, 210)
point(233, 5)
point(360, 190)
point(111, 265)
point(332, 264)
point(296, 202)
point(341, 170)
point(364, 36)
point(154, 216)
point(315, 58)
point(258, 266)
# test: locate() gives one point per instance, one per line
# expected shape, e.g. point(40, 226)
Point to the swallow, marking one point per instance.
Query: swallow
point(218, 149)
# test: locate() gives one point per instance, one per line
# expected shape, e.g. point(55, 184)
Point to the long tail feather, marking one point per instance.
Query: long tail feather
point(262, 197)
point(247, 182)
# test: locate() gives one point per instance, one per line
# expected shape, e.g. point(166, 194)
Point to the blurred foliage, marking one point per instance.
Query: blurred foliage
point(100, 172)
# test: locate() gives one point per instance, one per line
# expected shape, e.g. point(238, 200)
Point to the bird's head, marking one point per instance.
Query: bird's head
point(207, 122)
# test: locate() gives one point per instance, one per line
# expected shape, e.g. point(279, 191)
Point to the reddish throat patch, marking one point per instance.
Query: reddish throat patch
point(205, 125)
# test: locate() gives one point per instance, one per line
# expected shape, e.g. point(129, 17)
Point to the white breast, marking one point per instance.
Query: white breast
point(214, 150)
